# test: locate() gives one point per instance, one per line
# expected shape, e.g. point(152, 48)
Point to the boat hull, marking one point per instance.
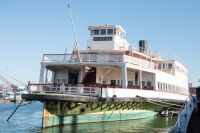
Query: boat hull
point(63, 113)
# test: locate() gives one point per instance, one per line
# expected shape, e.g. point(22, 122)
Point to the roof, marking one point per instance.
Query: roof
point(107, 27)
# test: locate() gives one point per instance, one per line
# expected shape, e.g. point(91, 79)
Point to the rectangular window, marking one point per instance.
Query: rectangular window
point(113, 82)
point(96, 32)
point(143, 84)
point(92, 32)
point(116, 32)
point(163, 65)
point(130, 84)
point(119, 82)
point(148, 84)
point(109, 31)
point(159, 66)
point(169, 65)
point(64, 80)
point(58, 81)
point(103, 32)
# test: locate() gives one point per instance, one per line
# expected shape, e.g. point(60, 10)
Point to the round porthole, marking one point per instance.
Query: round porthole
point(82, 110)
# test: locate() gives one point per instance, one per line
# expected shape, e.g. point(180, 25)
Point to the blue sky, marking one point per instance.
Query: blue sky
point(29, 29)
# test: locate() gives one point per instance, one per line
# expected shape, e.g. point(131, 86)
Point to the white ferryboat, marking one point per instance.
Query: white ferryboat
point(110, 80)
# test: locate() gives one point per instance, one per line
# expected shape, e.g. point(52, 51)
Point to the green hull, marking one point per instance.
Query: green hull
point(62, 113)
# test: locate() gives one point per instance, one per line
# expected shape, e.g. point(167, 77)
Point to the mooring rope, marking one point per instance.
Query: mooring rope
point(15, 110)
point(166, 103)
point(163, 105)
point(9, 108)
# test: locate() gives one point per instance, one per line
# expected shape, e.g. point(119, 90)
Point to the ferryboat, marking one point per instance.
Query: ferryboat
point(109, 80)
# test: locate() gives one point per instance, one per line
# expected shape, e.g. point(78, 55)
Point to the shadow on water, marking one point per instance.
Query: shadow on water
point(148, 125)
point(28, 119)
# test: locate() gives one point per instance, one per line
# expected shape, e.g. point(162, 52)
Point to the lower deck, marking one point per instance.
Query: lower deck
point(64, 109)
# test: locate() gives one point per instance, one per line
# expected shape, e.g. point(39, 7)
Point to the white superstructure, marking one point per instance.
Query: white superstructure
point(114, 63)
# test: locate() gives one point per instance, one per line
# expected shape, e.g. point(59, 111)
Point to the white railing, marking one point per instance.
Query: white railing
point(84, 58)
point(139, 62)
point(75, 90)
point(97, 58)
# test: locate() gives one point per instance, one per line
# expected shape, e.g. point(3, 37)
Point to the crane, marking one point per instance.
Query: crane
point(9, 83)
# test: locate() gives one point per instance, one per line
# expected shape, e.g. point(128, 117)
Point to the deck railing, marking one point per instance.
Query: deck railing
point(78, 89)
point(97, 58)
point(84, 58)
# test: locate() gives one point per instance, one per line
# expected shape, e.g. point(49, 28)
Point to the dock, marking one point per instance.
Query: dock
point(5, 101)
point(183, 118)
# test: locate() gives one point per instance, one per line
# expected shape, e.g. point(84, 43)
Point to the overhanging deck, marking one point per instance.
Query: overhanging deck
point(90, 99)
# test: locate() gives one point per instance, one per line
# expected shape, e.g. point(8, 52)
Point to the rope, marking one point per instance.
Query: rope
point(9, 108)
point(14, 111)
point(145, 100)
point(167, 103)
point(163, 105)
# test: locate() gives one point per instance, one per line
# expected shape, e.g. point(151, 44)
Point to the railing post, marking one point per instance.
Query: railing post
point(69, 89)
point(123, 58)
point(56, 88)
point(90, 89)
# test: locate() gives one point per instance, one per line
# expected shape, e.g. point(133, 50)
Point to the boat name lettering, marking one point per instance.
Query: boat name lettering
point(102, 39)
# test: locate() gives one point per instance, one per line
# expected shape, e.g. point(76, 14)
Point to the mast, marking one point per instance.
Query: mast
point(74, 34)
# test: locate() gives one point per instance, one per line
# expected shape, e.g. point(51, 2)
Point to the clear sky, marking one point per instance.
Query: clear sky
point(29, 29)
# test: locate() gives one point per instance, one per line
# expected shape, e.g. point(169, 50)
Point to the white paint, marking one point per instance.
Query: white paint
point(123, 93)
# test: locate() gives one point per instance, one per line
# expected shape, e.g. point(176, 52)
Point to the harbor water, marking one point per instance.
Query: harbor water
point(28, 119)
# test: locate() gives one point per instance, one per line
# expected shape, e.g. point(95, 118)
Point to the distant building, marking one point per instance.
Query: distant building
point(192, 89)
point(190, 85)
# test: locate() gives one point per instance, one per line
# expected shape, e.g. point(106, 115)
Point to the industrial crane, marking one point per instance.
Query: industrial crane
point(9, 83)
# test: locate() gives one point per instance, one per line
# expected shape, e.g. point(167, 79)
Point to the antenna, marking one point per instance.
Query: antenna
point(74, 33)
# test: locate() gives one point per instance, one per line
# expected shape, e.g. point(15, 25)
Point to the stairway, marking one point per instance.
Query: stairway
point(90, 77)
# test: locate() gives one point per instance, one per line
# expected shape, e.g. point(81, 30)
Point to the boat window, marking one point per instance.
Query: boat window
point(164, 65)
point(103, 32)
point(109, 31)
point(116, 32)
point(130, 84)
point(119, 82)
point(170, 65)
point(96, 32)
point(161, 85)
point(148, 84)
point(159, 66)
point(64, 80)
point(143, 84)
point(113, 82)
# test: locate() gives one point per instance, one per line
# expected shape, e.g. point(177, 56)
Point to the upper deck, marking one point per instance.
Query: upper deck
point(108, 49)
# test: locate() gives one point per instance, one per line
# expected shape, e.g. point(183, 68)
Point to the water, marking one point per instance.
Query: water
point(28, 119)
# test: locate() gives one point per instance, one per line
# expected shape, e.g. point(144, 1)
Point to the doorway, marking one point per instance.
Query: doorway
point(73, 77)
